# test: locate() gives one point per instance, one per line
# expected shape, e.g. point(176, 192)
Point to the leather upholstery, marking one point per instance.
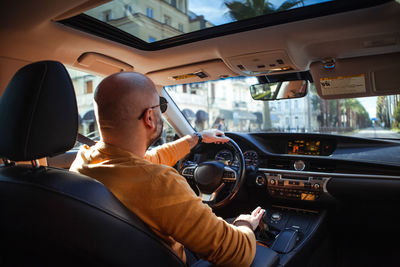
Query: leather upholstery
point(265, 257)
point(38, 113)
point(50, 216)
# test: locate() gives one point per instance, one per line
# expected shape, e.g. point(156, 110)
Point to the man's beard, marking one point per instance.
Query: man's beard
point(157, 132)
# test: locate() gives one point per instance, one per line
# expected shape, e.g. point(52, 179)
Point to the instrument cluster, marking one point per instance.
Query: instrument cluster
point(228, 158)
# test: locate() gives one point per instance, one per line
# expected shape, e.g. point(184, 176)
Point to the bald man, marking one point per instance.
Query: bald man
point(128, 112)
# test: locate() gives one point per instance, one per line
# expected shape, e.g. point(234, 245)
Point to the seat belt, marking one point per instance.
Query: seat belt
point(85, 140)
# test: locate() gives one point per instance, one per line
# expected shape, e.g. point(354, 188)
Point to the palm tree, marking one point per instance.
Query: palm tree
point(239, 10)
point(382, 111)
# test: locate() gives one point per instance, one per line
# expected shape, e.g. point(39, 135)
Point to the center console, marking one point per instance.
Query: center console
point(288, 231)
point(294, 185)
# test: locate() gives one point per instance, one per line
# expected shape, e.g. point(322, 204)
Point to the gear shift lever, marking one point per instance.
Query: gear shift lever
point(263, 222)
point(265, 235)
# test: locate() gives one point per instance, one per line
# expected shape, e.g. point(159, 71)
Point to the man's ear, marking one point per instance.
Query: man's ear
point(148, 118)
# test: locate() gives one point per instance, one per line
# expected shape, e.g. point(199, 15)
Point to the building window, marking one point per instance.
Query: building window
point(152, 39)
point(89, 87)
point(180, 5)
point(173, 3)
point(180, 27)
point(107, 15)
point(128, 10)
point(149, 12)
point(167, 20)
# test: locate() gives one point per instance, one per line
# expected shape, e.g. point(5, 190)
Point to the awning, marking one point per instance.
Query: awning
point(226, 114)
point(201, 115)
point(244, 115)
point(89, 116)
point(188, 113)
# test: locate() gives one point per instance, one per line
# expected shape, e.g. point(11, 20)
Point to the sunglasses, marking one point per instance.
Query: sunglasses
point(163, 107)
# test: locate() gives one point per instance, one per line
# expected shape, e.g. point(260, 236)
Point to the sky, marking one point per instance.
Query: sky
point(369, 104)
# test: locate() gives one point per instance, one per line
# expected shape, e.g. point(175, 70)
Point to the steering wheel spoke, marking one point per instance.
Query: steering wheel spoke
point(229, 175)
point(210, 198)
point(188, 172)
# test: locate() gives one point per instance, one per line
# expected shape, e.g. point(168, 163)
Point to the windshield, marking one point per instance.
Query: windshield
point(227, 105)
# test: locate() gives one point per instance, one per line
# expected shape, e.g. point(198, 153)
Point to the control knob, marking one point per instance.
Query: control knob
point(260, 180)
point(276, 217)
point(272, 181)
point(316, 186)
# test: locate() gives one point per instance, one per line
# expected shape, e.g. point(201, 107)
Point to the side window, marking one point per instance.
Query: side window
point(84, 84)
point(169, 134)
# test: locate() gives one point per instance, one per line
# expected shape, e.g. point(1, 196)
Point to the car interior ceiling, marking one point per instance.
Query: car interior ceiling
point(340, 209)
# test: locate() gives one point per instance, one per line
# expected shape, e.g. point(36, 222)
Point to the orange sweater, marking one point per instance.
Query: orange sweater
point(164, 201)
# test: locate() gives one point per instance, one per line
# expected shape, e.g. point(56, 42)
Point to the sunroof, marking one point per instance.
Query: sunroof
point(158, 24)
point(156, 20)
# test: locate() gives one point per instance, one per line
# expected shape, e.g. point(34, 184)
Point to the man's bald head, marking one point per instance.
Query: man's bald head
point(121, 98)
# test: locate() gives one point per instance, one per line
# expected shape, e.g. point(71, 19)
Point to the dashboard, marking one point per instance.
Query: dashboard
point(314, 167)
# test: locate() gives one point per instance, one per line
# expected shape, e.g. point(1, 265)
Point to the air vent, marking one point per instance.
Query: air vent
point(280, 164)
point(318, 167)
point(310, 166)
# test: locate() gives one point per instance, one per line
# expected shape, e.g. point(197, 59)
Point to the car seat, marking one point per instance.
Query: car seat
point(50, 216)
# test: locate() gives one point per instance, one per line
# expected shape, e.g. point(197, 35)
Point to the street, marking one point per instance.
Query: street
point(377, 132)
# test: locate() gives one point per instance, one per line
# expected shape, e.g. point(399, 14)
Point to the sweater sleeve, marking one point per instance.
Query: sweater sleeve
point(182, 215)
point(168, 154)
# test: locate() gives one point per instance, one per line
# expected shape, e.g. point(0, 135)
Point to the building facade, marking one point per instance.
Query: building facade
point(150, 20)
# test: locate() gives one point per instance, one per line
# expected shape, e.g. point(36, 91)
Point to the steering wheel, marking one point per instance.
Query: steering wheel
point(210, 177)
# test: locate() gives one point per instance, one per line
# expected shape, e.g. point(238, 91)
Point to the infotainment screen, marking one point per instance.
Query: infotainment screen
point(304, 147)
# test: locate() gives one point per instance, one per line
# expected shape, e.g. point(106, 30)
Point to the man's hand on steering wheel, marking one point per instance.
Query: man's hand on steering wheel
point(214, 136)
point(207, 136)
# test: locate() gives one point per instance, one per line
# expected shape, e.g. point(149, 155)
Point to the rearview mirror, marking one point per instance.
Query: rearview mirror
point(279, 90)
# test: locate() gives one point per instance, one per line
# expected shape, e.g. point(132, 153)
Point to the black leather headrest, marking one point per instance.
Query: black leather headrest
point(38, 113)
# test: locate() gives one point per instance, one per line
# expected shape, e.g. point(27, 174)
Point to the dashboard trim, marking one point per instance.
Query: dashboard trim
point(331, 175)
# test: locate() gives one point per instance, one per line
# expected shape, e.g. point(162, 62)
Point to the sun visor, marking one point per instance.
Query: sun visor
point(197, 72)
point(101, 64)
point(357, 77)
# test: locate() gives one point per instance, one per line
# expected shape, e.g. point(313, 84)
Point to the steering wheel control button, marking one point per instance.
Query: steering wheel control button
point(228, 174)
point(188, 171)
